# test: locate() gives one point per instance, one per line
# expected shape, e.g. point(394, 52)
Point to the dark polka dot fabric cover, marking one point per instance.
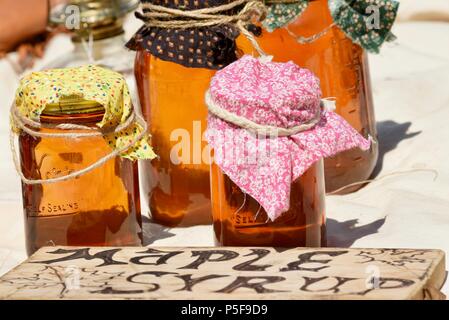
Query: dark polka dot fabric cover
point(205, 47)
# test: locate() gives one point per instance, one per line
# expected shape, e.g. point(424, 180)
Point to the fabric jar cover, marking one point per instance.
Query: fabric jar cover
point(91, 82)
point(207, 47)
point(356, 18)
point(282, 95)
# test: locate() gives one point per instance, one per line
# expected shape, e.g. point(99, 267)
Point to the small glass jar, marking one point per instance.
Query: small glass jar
point(269, 131)
point(239, 220)
point(343, 70)
point(99, 208)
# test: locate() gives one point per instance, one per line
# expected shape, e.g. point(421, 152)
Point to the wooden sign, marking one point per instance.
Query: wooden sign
point(226, 273)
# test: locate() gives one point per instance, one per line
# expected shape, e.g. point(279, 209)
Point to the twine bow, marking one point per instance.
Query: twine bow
point(168, 18)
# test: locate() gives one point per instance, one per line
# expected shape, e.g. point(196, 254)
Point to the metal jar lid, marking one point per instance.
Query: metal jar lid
point(73, 104)
point(101, 18)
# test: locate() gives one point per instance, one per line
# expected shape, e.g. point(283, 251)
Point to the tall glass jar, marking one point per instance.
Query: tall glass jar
point(173, 69)
point(176, 184)
point(342, 68)
point(99, 208)
point(239, 220)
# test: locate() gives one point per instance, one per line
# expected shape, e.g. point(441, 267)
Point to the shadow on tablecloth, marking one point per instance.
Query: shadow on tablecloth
point(153, 231)
point(344, 234)
point(339, 234)
point(390, 134)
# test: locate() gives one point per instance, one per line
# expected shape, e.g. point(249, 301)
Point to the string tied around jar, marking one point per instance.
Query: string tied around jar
point(87, 89)
point(33, 128)
point(326, 104)
point(170, 18)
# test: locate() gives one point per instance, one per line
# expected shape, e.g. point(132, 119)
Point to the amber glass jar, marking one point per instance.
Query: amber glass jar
point(239, 220)
point(172, 101)
point(99, 208)
point(342, 68)
point(173, 69)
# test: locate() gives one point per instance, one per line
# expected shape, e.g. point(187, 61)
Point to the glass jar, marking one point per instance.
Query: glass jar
point(173, 69)
point(342, 68)
point(99, 38)
point(239, 220)
point(269, 130)
point(99, 208)
point(172, 101)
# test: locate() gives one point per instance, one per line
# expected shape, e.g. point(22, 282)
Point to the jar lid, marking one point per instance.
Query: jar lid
point(72, 104)
point(82, 89)
point(92, 11)
point(101, 18)
point(210, 47)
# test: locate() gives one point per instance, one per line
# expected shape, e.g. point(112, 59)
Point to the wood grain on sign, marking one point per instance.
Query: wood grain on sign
point(226, 273)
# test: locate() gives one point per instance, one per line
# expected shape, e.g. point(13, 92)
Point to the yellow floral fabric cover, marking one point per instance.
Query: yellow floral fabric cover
point(93, 83)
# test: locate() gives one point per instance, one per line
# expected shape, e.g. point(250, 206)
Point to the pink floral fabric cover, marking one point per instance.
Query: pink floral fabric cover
point(281, 95)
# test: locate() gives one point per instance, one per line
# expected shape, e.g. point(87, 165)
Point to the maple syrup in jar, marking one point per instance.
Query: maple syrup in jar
point(239, 220)
point(176, 184)
point(99, 208)
point(173, 69)
point(342, 68)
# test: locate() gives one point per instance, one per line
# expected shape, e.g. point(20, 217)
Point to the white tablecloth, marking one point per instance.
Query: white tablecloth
point(409, 210)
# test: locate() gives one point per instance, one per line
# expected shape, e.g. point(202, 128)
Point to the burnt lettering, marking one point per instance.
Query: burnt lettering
point(249, 266)
point(83, 253)
point(154, 286)
point(206, 256)
point(309, 281)
point(154, 253)
point(189, 282)
point(394, 283)
point(247, 282)
point(307, 258)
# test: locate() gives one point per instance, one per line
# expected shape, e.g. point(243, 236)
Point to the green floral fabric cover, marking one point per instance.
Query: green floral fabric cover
point(366, 22)
point(280, 15)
